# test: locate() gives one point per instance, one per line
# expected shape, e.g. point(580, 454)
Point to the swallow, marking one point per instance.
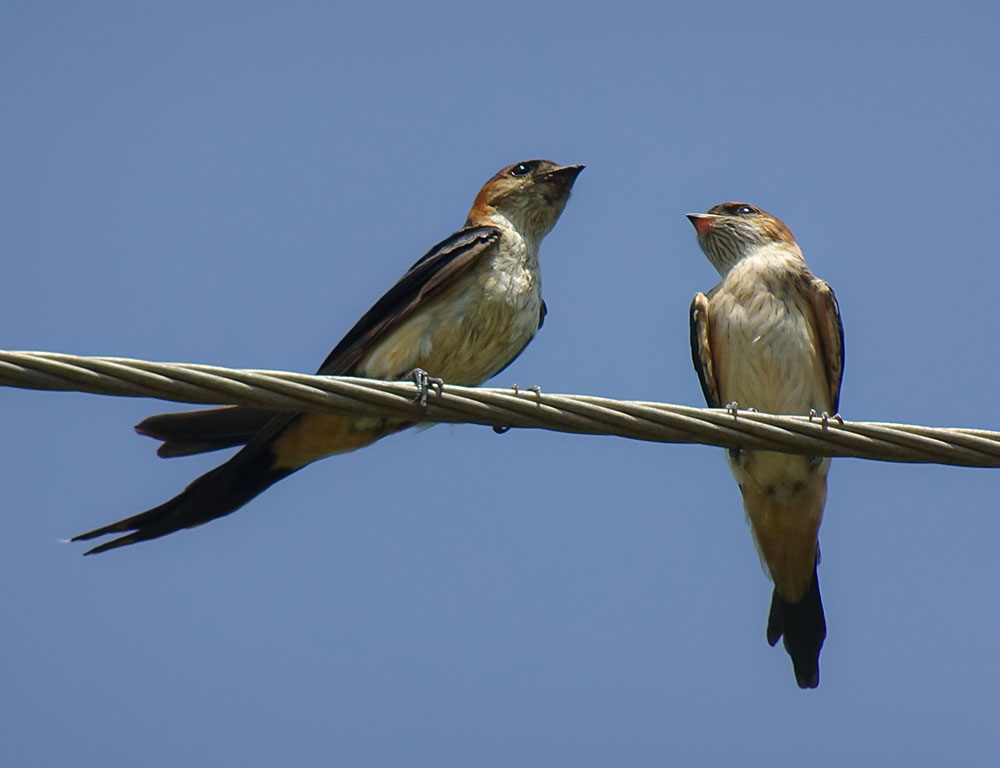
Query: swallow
point(460, 314)
point(769, 336)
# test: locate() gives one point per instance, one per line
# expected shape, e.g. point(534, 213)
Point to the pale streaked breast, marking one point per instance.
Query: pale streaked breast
point(470, 332)
point(765, 347)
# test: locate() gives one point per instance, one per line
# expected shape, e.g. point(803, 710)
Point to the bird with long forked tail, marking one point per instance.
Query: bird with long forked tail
point(460, 314)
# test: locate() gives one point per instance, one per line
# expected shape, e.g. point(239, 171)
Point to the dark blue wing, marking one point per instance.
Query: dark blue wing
point(437, 267)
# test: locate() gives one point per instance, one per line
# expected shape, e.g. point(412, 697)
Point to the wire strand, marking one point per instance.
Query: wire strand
point(526, 409)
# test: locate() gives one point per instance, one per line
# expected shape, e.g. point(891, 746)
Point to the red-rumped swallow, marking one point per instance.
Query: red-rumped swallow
point(769, 337)
point(463, 313)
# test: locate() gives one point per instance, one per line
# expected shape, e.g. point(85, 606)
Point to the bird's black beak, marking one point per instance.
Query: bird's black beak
point(566, 173)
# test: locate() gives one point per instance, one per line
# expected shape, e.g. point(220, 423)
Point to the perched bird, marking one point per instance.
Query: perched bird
point(460, 314)
point(769, 337)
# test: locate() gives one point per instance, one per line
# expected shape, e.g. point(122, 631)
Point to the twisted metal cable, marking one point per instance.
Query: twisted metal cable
point(581, 414)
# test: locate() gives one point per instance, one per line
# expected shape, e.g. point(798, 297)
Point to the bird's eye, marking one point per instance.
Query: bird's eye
point(745, 210)
point(523, 169)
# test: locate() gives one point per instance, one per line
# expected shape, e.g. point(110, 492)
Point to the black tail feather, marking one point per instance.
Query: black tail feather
point(190, 432)
point(804, 628)
point(217, 493)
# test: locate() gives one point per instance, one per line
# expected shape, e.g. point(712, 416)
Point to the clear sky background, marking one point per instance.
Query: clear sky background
point(236, 183)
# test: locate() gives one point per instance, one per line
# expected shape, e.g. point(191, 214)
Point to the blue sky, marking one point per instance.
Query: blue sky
point(236, 183)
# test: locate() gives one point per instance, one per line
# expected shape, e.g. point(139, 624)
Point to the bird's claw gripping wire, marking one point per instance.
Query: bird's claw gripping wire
point(734, 407)
point(425, 383)
point(534, 388)
point(825, 417)
point(517, 390)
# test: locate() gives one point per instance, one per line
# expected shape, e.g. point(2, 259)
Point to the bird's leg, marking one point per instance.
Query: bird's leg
point(425, 383)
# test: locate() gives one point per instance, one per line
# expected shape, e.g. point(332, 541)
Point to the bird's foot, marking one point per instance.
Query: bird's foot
point(534, 388)
point(825, 417)
point(425, 383)
point(517, 390)
point(733, 408)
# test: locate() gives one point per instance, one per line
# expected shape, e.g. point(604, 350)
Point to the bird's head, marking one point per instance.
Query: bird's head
point(530, 195)
point(730, 231)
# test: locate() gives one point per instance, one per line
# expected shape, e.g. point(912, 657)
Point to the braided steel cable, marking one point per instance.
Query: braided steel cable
point(581, 414)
